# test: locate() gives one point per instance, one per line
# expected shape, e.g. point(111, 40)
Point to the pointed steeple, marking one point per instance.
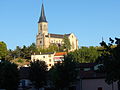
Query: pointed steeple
point(42, 17)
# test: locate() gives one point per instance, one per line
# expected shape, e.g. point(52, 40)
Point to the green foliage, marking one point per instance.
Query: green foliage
point(3, 50)
point(85, 55)
point(66, 45)
point(20, 61)
point(110, 61)
point(8, 75)
point(63, 74)
point(10, 55)
point(38, 71)
point(23, 52)
point(51, 48)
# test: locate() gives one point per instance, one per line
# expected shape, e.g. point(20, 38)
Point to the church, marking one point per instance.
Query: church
point(44, 39)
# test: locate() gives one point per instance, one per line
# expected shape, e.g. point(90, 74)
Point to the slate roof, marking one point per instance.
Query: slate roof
point(91, 74)
point(86, 65)
point(42, 17)
point(57, 35)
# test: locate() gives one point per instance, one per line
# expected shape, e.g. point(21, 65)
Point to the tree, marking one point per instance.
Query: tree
point(3, 50)
point(38, 71)
point(10, 55)
point(53, 48)
point(24, 52)
point(33, 48)
point(85, 54)
point(66, 45)
point(17, 52)
point(64, 74)
point(8, 75)
point(110, 60)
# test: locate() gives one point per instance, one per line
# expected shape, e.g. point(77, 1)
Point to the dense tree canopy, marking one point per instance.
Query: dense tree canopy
point(66, 45)
point(3, 50)
point(8, 75)
point(85, 54)
point(24, 52)
point(38, 71)
point(51, 48)
point(63, 74)
point(110, 61)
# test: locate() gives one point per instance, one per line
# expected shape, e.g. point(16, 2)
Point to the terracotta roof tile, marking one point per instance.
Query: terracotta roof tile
point(60, 53)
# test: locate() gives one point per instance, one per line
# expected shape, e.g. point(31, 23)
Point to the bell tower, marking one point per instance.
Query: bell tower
point(42, 29)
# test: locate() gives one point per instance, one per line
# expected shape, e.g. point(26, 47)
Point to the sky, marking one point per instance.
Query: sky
point(89, 20)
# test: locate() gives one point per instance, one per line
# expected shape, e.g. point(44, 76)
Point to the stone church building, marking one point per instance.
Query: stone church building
point(44, 38)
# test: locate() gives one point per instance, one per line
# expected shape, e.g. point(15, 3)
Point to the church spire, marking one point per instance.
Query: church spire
point(42, 17)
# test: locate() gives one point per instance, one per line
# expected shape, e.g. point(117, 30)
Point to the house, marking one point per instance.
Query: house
point(89, 79)
point(59, 57)
point(49, 58)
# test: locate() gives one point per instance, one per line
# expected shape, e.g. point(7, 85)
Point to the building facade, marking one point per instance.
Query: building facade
point(90, 79)
point(45, 39)
point(59, 57)
point(49, 58)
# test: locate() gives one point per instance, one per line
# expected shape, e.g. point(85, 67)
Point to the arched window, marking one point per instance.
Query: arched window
point(40, 42)
point(40, 27)
point(49, 60)
point(45, 27)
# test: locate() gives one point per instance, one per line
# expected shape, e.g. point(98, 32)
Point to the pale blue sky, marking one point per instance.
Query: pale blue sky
point(89, 20)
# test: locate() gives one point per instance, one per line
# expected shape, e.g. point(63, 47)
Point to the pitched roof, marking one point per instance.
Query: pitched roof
point(91, 74)
point(42, 17)
point(86, 65)
point(48, 53)
point(60, 53)
point(57, 35)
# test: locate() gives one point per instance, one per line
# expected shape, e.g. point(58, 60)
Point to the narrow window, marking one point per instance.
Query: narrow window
point(40, 27)
point(72, 36)
point(49, 55)
point(49, 60)
point(40, 41)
